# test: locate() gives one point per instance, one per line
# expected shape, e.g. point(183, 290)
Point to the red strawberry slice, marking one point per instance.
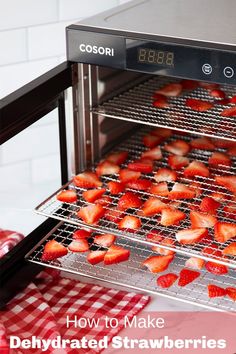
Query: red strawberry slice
point(151, 141)
point(139, 185)
point(81, 234)
point(233, 99)
point(215, 291)
point(218, 158)
point(130, 223)
point(212, 250)
point(189, 84)
point(191, 236)
point(107, 168)
point(164, 133)
point(217, 93)
point(153, 206)
point(181, 191)
point(53, 250)
point(232, 151)
point(208, 85)
point(129, 200)
point(216, 268)
point(231, 292)
point(160, 102)
point(144, 166)
point(196, 168)
point(165, 175)
point(158, 96)
point(224, 144)
point(202, 220)
point(195, 263)
point(91, 213)
point(202, 144)
point(105, 240)
point(171, 216)
point(118, 157)
point(178, 147)
point(93, 194)
point(230, 250)
point(79, 245)
point(96, 257)
point(219, 197)
point(209, 205)
point(154, 236)
point(116, 254)
point(170, 90)
point(114, 215)
point(198, 105)
point(229, 112)
point(187, 276)
point(177, 162)
point(158, 264)
point(167, 280)
point(127, 175)
point(152, 154)
point(104, 201)
point(87, 180)
point(223, 101)
point(164, 251)
point(229, 182)
point(197, 188)
point(115, 187)
point(224, 231)
point(67, 196)
point(160, 189)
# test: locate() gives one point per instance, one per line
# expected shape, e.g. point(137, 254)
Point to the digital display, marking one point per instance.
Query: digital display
point(156, 57)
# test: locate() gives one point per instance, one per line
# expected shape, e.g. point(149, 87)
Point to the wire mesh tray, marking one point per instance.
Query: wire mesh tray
point(67, 212)
point(135, 105)
point(133, 274)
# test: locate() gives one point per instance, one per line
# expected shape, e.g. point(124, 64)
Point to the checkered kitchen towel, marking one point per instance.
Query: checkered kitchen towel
point(8, 240)
point(41, 309)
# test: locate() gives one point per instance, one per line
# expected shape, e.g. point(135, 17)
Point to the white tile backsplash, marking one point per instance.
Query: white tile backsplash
point(13, 46)
point(14, 176)
point(50, 165)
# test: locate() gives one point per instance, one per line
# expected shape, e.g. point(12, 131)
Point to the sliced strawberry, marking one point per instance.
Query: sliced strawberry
point(167, 280)
point(224, 101)
point(91, 213)
point(209, 205)
point(118, 157)
point(177, 162)
point(170, 90)
point(144, 166)
point(230, 250)
point(195, 263)
point(154, 236)
point(218, 158)
point(187, 276)
point(196, 187)
point(129, 200)
point(178, 147)
point(129, 222)
point(233, 99)
point(231, 292)
point(212, 250)
point(203, 143)
point(218, 196)
point(158, 96)
point(202, 220)
point(230, 210)
point(164, 133)
point(229, 182)
point(189, 84)
point(196, 168)
point(127, 175)
point(165, 175)
point(93, 194)
point(160, 189)
point(224, 231)
point(229, 112)
point(215, 291)
point(158, 264)
point(181, 191)
point(87, 180)
point(139, 185)
point(153, 154)
point(171, 217)
point(104, 201)
point(153, 206)
point(208, 85)
point(216, 268)
point(224, 144)
point(217, 93)
point(105, 240)
point(81, 234)
point(96, 257)
point(164, 251)
point(151, 141)
point(116, 254)
point(160, 102)
point(232, 151)
point(198, 105)
point(53, 250)
point(115, 187)
point(191, 236)
point(114, 215)
point(79, 245)
point(107, 168)
point(67, 196)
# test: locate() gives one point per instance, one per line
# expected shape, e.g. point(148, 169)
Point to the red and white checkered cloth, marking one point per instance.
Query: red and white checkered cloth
point(41, 310)
point(8, 240)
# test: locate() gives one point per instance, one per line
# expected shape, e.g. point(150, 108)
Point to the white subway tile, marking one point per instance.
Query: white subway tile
point(123, 1)
point(15, 176)
point(13, 46)
point(50, 118)
point(46, 169)
point(25, 13)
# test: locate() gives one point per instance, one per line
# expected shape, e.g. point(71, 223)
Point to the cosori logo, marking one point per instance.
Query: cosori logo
point(97, 50)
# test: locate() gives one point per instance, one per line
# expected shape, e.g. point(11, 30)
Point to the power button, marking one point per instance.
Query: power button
point(207, 69)
point(228, 72)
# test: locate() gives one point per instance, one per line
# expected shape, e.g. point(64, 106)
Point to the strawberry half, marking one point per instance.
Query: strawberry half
point(152, 154)
point(67, 196)
point(202, 220)
point(91, 213)
point(218, 158)
point(164, 133)
point(209, 205)
point(139, 185)
point(129, 200)
point(181, 191)
point(118, 157)
point(197, 188)
point(231, 292)
point(107, 168)
point(230, 250)
point(229, 112)
point(229, 182)
point(151, 141)
point(143, 166)
point(178, 147)
point(216, 268)
point(93, 194)
point(116, 254)
point(233, 99)
point(53, 250)
point(195, 263)
point(187, 276)
point(202, 144)
point(160, 189)
point(87, 180)
point(160, 102)
point(81, 234)
point(165, 175)
point(212, 250)
point(215, 291)
point(105, 240)
point(127, 175)
point(196, 168)
point(232, 151)
point(217, 93)
point(164, 251)
point(224, 144)
point(79, 245)
point(104, 201)
point(171, 217)
point(129, 222)
point(154, 236)
point(167, 280)
point(191, 236)
point(198, 105)
point(170, 90)
point(189, 84)
point(158, 264)
point(96, 257)
point(177, 162)
point(153, 206)
point(224, 231)
point(115, 187)
point(113, 215)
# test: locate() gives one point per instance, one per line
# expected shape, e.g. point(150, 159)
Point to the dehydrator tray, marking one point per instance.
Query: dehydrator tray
point(51, 207)
point(133, 275)
point(135, 105)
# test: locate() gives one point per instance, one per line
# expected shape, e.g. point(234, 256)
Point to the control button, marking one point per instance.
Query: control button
point(228, 72)
point(207, 69)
